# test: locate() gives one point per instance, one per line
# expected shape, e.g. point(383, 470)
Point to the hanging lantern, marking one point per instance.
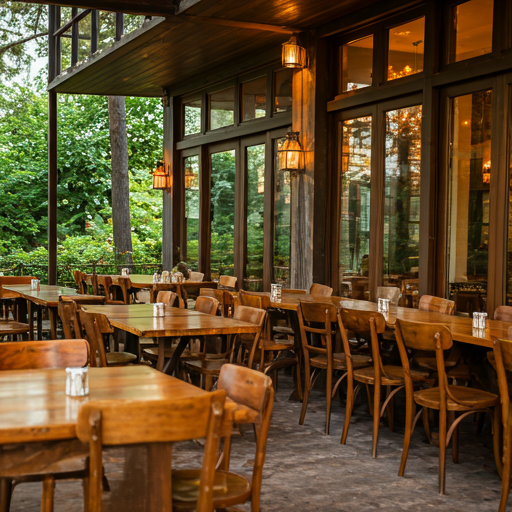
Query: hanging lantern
point(161, 180)
point(294, 56)
point(291, 154)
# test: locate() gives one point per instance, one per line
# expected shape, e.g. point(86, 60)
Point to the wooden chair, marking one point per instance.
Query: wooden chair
point(207, 305)
point(210, 368)
point(436, 305)
point(370, 325)
point(321, 290)
point(13, 330)
point(45, 462)
point(158, 424)
point(226, 302)
point(10, 301)
point(252, 391)
point(317, 318)
point(170, 298)
point(389, 292)
point(196, 276)
point(227, 283)
point(68, 314)
point(448, 400)
point(80, 281)
point(503, 313)
point(104, 287)
point(92, 323)
point(503, 366)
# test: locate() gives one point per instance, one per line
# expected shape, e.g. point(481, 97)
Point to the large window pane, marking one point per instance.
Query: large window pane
point(192, 116)
point(405, 54)
point(254, 99)
point(222, 108)
point(472, 32)
point(282, 197)
point(191, 250)
point(355, 207)
point(255, 207)
point(470, 175)
point(402, 195)
point(222, 212)
point(357, 64)
point(283, 90)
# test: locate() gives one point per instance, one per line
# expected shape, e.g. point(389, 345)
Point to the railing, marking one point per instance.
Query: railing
point(65, 272)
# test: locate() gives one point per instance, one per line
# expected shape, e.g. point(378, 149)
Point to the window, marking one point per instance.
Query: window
point(357, 64)
point(469, 180)
point(282, 200)
point(283, 90)
point(472, 30)
point(191, 249)
point(192, 116)
point(405, 49)
point(222, 108)
point(222, 212)
point(355, 207)
point(254, 99)
point(402, 194)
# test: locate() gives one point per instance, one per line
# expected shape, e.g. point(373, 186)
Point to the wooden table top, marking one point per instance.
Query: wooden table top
point(176, 322)
point(48, 295)
point(34, 406)
point(460, 327)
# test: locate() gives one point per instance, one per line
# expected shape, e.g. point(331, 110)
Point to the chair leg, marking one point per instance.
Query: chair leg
point(376, 418)
point(305, 398)
point(505, 479)
point(5, 494)
point(455, 439)
point(391, 410)
point(409, 418)
point(328, 393)
point(369, 393)
point(208, 383)
point(348, 409)
point(85, 485)
point(496, 437)
point(48, 492)
point(425, 415)
point(442, 450)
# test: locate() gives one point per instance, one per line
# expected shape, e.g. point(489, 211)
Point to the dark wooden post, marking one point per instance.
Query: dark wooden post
point(74, 37)
point(95, 25)
point(119, 25)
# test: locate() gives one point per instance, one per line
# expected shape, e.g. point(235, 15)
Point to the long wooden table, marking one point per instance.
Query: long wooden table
point(47, 296)
point(138, 320)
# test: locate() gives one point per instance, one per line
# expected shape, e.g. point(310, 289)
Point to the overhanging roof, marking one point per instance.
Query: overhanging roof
point(196, 45)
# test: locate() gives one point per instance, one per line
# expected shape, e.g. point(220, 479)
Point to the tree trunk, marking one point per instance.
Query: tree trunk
point(121, 222)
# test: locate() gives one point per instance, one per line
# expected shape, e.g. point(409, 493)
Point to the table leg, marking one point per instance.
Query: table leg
point(53, 322)
point(171, 365)
point(131, 344)
point(30, 314)
point(160, 476)
point(39, 322)
point(161, 353)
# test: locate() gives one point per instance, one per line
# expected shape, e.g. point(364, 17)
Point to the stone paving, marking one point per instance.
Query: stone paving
point(307, 471)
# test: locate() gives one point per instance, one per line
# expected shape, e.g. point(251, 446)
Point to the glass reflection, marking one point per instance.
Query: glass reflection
point(405, 54)
point(191, 250)
point(283, 90)
point(469, 179)
point(402, 195)
point(254, 99)
point(357, 64)
point(222, 108)
point(192, 114)
point(355, 207)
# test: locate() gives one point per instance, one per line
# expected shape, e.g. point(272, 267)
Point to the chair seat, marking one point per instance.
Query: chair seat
point(120, 358)
point(206, 366)
point(228, 489)
point(151, 353)
point(340, 362)
point(431, 364)
point(470, 397)
point(395, 375)
point(283, 329)
point(241, 413)
point(11, 327)
point(276, 344)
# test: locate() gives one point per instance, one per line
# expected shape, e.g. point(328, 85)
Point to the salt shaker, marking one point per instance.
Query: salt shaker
point(77, 381)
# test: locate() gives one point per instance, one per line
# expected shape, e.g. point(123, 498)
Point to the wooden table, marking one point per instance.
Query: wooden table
point(138, 321)
point(47, 296)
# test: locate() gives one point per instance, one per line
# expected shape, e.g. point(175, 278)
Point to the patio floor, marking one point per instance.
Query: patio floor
point(307, 471)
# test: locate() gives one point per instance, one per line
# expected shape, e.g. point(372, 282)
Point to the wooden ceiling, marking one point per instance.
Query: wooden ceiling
point(204, 42)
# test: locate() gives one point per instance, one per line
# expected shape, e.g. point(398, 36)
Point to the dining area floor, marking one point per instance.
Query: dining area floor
point(307, 471)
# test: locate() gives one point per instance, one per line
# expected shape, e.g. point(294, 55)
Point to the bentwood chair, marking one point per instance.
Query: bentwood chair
point(226, 302)
point(371, 325)
point(36, 461)
point(170, 298)
point(503, 313)
point(503, 365)
point(447, 399)
point(251, 391)
point(436, 305)
point(104, 287)
point(196, 276)
point(227, 283)
point(389, 292)
point(316, 318)
point(92, 323)
point(321, 290)
point(157, 424)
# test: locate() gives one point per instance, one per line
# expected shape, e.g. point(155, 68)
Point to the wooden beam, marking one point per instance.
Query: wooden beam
point(52, 187)
point(69, 24)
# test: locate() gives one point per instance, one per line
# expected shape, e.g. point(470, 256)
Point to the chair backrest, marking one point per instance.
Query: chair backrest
point(84, 299)
point(437, 305)
point(125, 284)
point(114, 423)
point(424, 336)
point(503, 313)
point(12, 280)
point(79, 278)
point(167, 297)
point(503, 357)
point(254, 390)
point(389, 292)
point(321, 290)
point(207, 305)
point(33, 355)
point(226, 302)
point(68, 313)
point(196, 276)
point(227, 282)
point(104, 283)
point(254, 299)
point(92, 323)
point(249, 315)
point(317, 318)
